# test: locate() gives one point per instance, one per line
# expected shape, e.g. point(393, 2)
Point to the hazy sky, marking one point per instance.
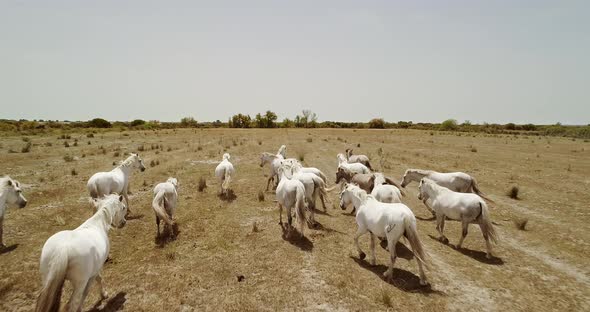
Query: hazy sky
point(494, 61)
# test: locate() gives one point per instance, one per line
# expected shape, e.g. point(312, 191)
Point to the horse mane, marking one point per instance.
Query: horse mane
point(127, 162)
point(103, 209)
point(421, 171)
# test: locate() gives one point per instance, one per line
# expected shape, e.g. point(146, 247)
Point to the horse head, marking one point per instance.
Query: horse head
point(14, 193)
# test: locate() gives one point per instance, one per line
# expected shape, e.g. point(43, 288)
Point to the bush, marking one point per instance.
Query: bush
point(66, 144)
point(260, 195)
point(68, 158)
point(26, 148)
point(309, 140)
point(90, 135)
point(188, 122)
point(513, 192)
point(521, 223)
point(74, 172)
point(137, 122)
point(202, 184)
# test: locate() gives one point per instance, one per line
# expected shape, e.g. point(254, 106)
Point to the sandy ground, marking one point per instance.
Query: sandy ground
point(541, 269)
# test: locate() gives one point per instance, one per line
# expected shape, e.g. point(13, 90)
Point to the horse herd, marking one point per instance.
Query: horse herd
point(78, 255)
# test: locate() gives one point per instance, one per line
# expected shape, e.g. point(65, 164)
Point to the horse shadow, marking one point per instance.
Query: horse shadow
point(296, 239)
point(402, 279)
point(169, 234)
point(5, 289)
point(400, 250)
point(473, 254)
point(8, 249)
point(113, 304)
point(135, 217)
point(229, 196)
point(320, 227)
point(432, 218)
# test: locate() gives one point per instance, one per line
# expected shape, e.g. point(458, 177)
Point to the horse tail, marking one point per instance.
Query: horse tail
point(322, 176)
point(411, 232)
point(300, 207)
point(226, 179)
point(368, 164)
point(50, 296)
point(92, 188)
point(159, 206)
point(321, 186)
point(475, 188)
point(486, 223)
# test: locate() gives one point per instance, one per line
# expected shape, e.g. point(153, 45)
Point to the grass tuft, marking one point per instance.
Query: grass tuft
point(513, 192)
point(521, 223)
point(202, 184)
point(260, 195)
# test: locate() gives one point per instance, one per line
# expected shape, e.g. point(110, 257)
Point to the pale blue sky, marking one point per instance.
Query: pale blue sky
point(494, 61)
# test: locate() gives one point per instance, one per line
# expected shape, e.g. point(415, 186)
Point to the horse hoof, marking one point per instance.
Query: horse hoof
point(104, 295)
point(488, 256)
point(423, 282)
point(362, 256)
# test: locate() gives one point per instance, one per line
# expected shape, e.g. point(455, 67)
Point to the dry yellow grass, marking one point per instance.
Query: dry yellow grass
point(219, 262)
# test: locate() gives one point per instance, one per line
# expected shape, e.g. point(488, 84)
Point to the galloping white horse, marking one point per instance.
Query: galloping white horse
point(10, 193)
point(383, 220)
point(385, 193)
point(164, 203)
point(454, 181)
point(363, 159)
point(291, 194)
point(78, 256)
point(465, 207)
point(116, 180)
point(353, 167)
point(224, 172)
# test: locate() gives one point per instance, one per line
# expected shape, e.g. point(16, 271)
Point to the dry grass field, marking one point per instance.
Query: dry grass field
point(541, 268)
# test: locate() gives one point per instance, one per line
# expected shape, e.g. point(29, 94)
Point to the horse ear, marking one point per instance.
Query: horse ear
point(120, 198)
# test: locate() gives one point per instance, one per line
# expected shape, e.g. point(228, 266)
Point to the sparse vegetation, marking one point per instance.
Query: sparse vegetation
point(68, 158)
point(202, 184)
point(27, 147)
point(260, 195)
point(513, 192)
point(309, 139)
point(74, 172)
point(521, 223)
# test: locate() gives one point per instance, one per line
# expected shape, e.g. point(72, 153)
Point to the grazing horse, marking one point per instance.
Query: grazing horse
point(10, 193)
point(353, 167)
point(465, 207)
point(291, 194)
point(383, 220)
point(385, 193)
point(454, 181)
point(363, 159)
point(116, 180)
point(224, 172)
point(164, 203)
point(78, 256)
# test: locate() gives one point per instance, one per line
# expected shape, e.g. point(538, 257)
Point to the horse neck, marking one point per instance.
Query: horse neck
point(358, 199)
point(100, 220)
point(433, 190)
point(379, 179)
point(125, 169)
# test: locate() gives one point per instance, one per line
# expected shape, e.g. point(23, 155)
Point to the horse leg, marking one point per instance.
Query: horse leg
point(127, 202)
point(429, 208)
point(440, 226)
point(280, 214)
point(373, 260)
point(2, 246)
point(268, 182)
point(86, 290)
point(289, 221)
point(391, 241)
point(75, 302)
point(103, 293)
point(465, 226)
point(158, 224)
point(488, 244)
point(358, 234)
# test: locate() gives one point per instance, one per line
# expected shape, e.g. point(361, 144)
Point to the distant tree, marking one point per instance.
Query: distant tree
point(309, 118)
point(241, 121)
point(137, 122)
point(99, 123)
point(510, 126)
point(270, 118)
point(287, 123)
point(188, 122)
point(404, 124)
point(377, 123)
point(449, 125)
point(529, 127)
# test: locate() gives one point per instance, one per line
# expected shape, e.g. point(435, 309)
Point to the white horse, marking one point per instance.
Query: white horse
point(291, 194)
point(10, 193)
point(224, 172)
point(363, 159)
point(383, 220)
point(454, 181)
point(282, 150)
point(314, 186)
point(116, 180)
point(275, 163)
point(164, 203)
point(465, 207)
point(353, 167)
point(385, 193)
point(78, 256)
